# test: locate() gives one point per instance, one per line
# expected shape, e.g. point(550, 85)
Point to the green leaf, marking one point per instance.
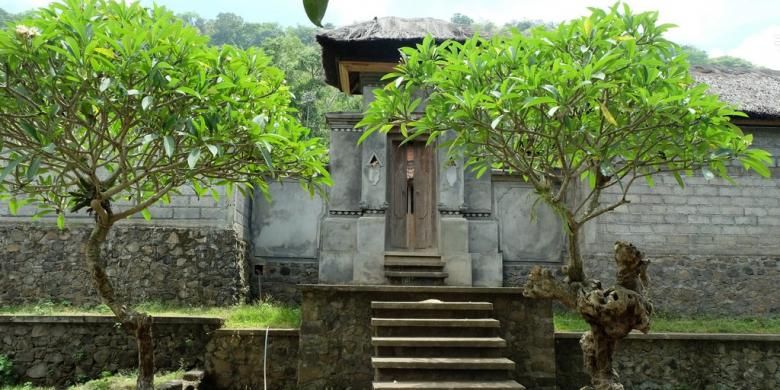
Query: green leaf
point(146, 102)
point(708, 175)
point(30, 130)
point(215, 195)
point(61, 221)
point(496, 121)
point(315, 10)
point(32, 170)
point(608, 115)
point(106, 52)
point(169, 145)
point(133, 92)
point(213, 149)
point(146, 214)
point(9, 168)
point(535, 101)
point(193, 158)
point(587, 26)
point(679, 179)
point(105, 82)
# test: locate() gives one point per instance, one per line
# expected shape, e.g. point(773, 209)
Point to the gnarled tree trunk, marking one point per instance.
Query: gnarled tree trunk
point(138, 324)
point(611, 313)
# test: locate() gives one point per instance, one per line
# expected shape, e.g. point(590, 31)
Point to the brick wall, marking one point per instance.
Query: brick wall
point(707, 217)
point(715, 246)
point(185, 209)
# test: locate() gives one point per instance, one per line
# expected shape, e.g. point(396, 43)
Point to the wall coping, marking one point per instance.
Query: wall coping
point(272, 332)
point(101, 319)
point(687, 336)
point(411, 289)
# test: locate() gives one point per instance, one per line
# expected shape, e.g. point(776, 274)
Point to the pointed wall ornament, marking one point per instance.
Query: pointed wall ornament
point(374, 170)
point(451, 173)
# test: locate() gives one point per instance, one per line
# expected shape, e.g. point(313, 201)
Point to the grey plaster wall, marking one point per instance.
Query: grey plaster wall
point(528, 231)
point(287, 225)
point(450, 178)
point(285, 241)
point(346, 162)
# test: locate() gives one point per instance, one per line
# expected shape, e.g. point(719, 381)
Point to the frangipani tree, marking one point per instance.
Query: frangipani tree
point(103, 101)
point(594, 105)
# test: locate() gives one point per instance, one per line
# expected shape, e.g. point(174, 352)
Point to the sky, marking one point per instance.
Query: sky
point(748, 29)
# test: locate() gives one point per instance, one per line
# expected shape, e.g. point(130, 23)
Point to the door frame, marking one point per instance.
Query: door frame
point(393, 138)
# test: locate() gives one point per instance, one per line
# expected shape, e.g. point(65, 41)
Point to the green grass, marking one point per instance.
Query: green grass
point(258, 315)
point(269, 314)
point(118, 381)
point(124, 381)
point(570, 322)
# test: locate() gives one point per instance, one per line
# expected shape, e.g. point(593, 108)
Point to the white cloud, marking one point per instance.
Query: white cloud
point(761, 48)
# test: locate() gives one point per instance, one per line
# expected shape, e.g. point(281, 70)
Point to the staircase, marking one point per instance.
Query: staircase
point(414, 269)
point(435, 345)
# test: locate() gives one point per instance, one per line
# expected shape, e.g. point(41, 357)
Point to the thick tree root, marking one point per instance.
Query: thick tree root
point(611, 313)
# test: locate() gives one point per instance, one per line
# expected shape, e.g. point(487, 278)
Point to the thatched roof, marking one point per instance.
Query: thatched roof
point(754, 91)
point(378, 40)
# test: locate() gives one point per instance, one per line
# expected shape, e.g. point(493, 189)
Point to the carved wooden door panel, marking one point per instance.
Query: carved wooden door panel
point(411, 221)
point(396, 221)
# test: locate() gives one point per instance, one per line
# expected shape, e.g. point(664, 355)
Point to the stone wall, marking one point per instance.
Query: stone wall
point(706, 284)
point(281, 277)
point(681, 362)
point(235, 359)
point(57, 351)
point(183, 266)
point(335, 339)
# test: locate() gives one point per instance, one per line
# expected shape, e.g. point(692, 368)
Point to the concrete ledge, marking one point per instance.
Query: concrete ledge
point(686, 336)
point(272, 332)
point(411, 289)
point(102, 319)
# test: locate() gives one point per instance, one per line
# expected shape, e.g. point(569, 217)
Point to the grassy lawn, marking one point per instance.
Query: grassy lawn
point(119, 381)
point(569, 322)
point(268, 314)
point(259, 315)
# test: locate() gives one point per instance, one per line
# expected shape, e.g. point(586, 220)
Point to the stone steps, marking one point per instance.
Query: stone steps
point(432, 304)
point(445, 342)
point(417, 274)
point(449, 385)
point(438, 322)
point(433, 344)
point(432, 363)
point(414, 269)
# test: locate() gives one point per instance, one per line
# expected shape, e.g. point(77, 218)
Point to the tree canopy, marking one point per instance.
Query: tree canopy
point(592, 105)
point(111, 107)
point(128, 102)
point(604, 98)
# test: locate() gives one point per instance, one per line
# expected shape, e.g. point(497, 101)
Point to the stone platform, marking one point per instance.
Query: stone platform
point(335, 347)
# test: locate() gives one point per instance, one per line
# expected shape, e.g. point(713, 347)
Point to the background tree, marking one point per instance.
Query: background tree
point(105, 101)
point(295, 51)
point(461, 20)
point(593, 105)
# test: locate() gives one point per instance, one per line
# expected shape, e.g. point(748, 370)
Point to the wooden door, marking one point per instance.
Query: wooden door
point(412, 195)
